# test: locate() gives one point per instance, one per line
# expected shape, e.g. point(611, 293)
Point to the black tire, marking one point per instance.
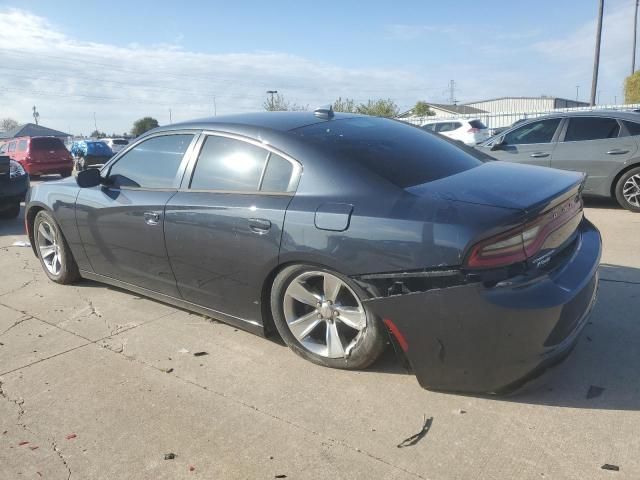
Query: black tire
point(68, 272)
point(369, 343)
point(626, 177)
point(34, 177)
point(10, 211)
point(66, 173)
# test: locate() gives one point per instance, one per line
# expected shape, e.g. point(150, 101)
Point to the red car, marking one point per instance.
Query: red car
point(39, 155)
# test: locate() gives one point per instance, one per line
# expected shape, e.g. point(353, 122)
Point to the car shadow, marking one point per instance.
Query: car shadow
point(14, 226)
point(601, 202)
point(603, 372)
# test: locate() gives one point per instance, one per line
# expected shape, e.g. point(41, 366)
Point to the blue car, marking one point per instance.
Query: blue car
point(89, 153)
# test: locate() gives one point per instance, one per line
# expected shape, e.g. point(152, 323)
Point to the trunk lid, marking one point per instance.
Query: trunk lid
point(528, 188)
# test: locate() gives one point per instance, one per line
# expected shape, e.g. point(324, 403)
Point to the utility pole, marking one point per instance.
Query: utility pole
point(577, 90)
point(95, 124)
point(598, 97)
point(596, 60)
point(615, 99)
point(272, 93)
point(36, 115)
point(215, 110)
point(635, 37)
point(452, 92)
point(170, 120)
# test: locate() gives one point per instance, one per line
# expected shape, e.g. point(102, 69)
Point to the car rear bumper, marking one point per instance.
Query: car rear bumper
point(43, 168)
point(491, 339)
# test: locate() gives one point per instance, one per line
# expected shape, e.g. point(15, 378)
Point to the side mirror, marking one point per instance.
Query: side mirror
point(498, 144)
point(89, 178)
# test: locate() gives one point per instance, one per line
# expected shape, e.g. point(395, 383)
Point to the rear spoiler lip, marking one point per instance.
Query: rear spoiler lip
point(571, 190)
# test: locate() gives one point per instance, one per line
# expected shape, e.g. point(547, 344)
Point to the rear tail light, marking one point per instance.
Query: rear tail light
point(524, 242)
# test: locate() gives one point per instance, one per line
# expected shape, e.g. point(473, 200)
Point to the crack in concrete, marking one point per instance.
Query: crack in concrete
point(16, 323)
point(628, 282)
point(55, 448)
point(14, 290)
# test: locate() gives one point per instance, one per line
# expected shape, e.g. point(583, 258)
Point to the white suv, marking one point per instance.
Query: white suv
point(470, 132)
point(116, 144)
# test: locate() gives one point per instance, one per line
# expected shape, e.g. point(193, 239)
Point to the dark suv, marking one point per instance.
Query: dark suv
point(14, 183)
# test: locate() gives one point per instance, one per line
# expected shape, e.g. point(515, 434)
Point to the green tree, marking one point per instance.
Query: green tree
point(98, 134)
point(7, 124)
point(632, 88)
point(422, 109)
point(348, 105)
point(379, 108)
point(143, 125)
point(277, 103)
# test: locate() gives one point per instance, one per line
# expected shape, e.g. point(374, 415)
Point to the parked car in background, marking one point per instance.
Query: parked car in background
point(337, 229)
point(115, 144)
point(499, 130)
point(602, 144)
point(90, 153)
point(14, 183)
point(469, 132)
point(39, 155)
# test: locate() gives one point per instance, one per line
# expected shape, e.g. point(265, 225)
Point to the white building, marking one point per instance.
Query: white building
point(524, 104)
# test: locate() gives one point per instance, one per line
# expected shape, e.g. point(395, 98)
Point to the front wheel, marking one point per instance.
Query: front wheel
point(628, 190)
point(53, 251)
point(320, 316)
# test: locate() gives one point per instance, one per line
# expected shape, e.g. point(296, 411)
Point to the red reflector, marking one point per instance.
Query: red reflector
point(396, 333)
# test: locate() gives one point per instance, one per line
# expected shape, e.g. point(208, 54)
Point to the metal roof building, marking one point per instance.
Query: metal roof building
point(525, 104)
point(32, 130)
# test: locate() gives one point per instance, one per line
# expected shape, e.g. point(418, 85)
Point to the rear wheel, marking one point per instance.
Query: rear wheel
point(65, 173)
point(628, 190)
point(10, 211)
point(321, 317)
point(53, 251)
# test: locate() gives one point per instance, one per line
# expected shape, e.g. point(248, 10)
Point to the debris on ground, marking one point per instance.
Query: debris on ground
point(200, 354)
point(71, 436)
point(20, 243)
point(281, 475)
point(34, 447)
point(608, 466)
point(459, 411)
point(183, 350)
point(594, 392)
point(413, 439)
point(23, 443)
point(168, 370)
point(191, 468)
point(169, 456)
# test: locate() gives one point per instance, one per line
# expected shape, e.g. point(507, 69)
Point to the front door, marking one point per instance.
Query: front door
point(592, 145)
point(121, 225)
point(533, 143)
point(223, 229)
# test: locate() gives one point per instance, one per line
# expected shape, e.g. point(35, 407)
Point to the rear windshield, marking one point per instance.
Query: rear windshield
point(400, 153)
point(119, 142)
point(477, 124)
point(46, 144)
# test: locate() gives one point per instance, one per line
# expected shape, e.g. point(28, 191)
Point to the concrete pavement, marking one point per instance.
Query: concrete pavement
point(104, 383)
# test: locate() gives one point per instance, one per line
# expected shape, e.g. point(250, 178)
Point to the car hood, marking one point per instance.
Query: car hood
point(501, 184)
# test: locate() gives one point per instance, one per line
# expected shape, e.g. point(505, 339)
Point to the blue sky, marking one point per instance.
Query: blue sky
point(144, 56)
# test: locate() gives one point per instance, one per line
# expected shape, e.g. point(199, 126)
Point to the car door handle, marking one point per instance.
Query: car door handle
point(617, 151)
point(259, 225)
point(151, 218)
point(539, 155)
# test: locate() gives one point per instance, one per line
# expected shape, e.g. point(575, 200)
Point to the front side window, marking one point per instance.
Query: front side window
point(591, 128)
point(3, 148)
point(228, 164)
point(153, 163)
point(535, 132)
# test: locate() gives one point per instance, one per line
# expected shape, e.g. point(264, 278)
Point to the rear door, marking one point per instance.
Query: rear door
point(223, 228)
point(121, 225)
point(533, 143)
point(593, 145)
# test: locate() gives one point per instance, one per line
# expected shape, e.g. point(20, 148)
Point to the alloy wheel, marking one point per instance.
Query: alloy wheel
point(324, 314)
point(631, 190)
point(49, 248)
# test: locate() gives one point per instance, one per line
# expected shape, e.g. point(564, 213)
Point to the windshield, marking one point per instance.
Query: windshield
point(402, 154)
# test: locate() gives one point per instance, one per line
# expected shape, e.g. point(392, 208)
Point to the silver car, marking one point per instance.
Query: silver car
point(603, 144)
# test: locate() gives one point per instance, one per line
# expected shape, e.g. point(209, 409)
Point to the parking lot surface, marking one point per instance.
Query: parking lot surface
point(96, 382)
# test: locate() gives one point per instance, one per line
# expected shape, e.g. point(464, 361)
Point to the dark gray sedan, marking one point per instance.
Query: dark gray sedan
point(341, 232)
point(603, 144)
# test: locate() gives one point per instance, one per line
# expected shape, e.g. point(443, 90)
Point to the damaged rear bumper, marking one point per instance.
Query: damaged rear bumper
point(479, 338)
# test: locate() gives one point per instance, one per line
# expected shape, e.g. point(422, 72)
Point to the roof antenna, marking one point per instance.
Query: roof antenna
point(325, 111)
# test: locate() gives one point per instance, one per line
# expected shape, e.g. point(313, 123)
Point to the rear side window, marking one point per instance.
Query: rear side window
point(447, 127)
point(278, 175)
point(535, 132)
point(153, 163)
point(431, 127)
point(632, 127)
point(477, 124)
point(22, 145)
point(591, 128)
point(12, 147)
point(228, 164)
point(399, 153)
point(47, 144)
